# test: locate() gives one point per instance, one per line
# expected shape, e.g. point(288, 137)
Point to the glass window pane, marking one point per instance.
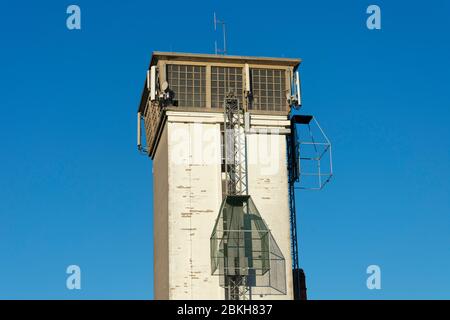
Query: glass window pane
point(225, 79)
point(188, 84)
point(268, 88)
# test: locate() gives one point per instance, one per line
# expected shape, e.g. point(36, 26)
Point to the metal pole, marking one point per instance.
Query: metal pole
point(224, 38)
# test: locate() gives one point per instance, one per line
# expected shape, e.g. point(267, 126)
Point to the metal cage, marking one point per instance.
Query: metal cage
point(312, 150)
point(243, 251)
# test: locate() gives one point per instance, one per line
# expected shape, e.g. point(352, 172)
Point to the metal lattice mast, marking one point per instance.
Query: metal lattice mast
point(235, 147)
point(236, 179)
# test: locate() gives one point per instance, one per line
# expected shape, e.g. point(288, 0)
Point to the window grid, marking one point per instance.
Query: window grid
point(223, 80)
point(268, 89)
point(188, 82)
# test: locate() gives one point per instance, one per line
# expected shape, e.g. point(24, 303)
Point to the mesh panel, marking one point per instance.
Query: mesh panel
point(223, 80)
point(269, 90)
point(188, 82)
point(243, 247)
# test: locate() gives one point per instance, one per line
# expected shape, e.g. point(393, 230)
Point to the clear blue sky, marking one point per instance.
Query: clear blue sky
point(74, 190)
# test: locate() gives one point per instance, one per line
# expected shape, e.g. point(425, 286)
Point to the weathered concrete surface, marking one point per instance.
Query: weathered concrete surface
point(160, 220)
point(188, 194)
point(268, 186)
point(194, 201)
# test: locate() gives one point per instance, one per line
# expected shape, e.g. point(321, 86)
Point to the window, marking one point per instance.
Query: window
point(223, 80)
point(269, 90)
point(188, 82)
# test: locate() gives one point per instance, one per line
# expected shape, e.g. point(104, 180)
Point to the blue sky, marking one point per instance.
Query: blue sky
point(74, 189)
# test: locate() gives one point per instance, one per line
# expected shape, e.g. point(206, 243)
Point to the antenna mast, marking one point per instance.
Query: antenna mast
point(217, 50)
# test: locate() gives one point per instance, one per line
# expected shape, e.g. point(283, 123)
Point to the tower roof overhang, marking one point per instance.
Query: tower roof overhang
point(201, 57)
point(214, 58)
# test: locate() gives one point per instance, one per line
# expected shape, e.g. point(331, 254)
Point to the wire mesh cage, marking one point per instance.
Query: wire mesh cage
point(243, 251)
point(313, 153)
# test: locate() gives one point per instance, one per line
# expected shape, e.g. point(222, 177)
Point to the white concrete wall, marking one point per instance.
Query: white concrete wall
point(160, 220)
point(268, 187)
point(194, 195)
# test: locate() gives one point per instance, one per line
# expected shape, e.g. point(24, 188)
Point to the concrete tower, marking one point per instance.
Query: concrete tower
point(182, 108)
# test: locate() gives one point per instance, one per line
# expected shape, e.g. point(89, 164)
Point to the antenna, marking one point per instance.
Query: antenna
point(139, 130)
point(152, 83)
point(247, 78)
point(217, 50)
point(298, 88)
